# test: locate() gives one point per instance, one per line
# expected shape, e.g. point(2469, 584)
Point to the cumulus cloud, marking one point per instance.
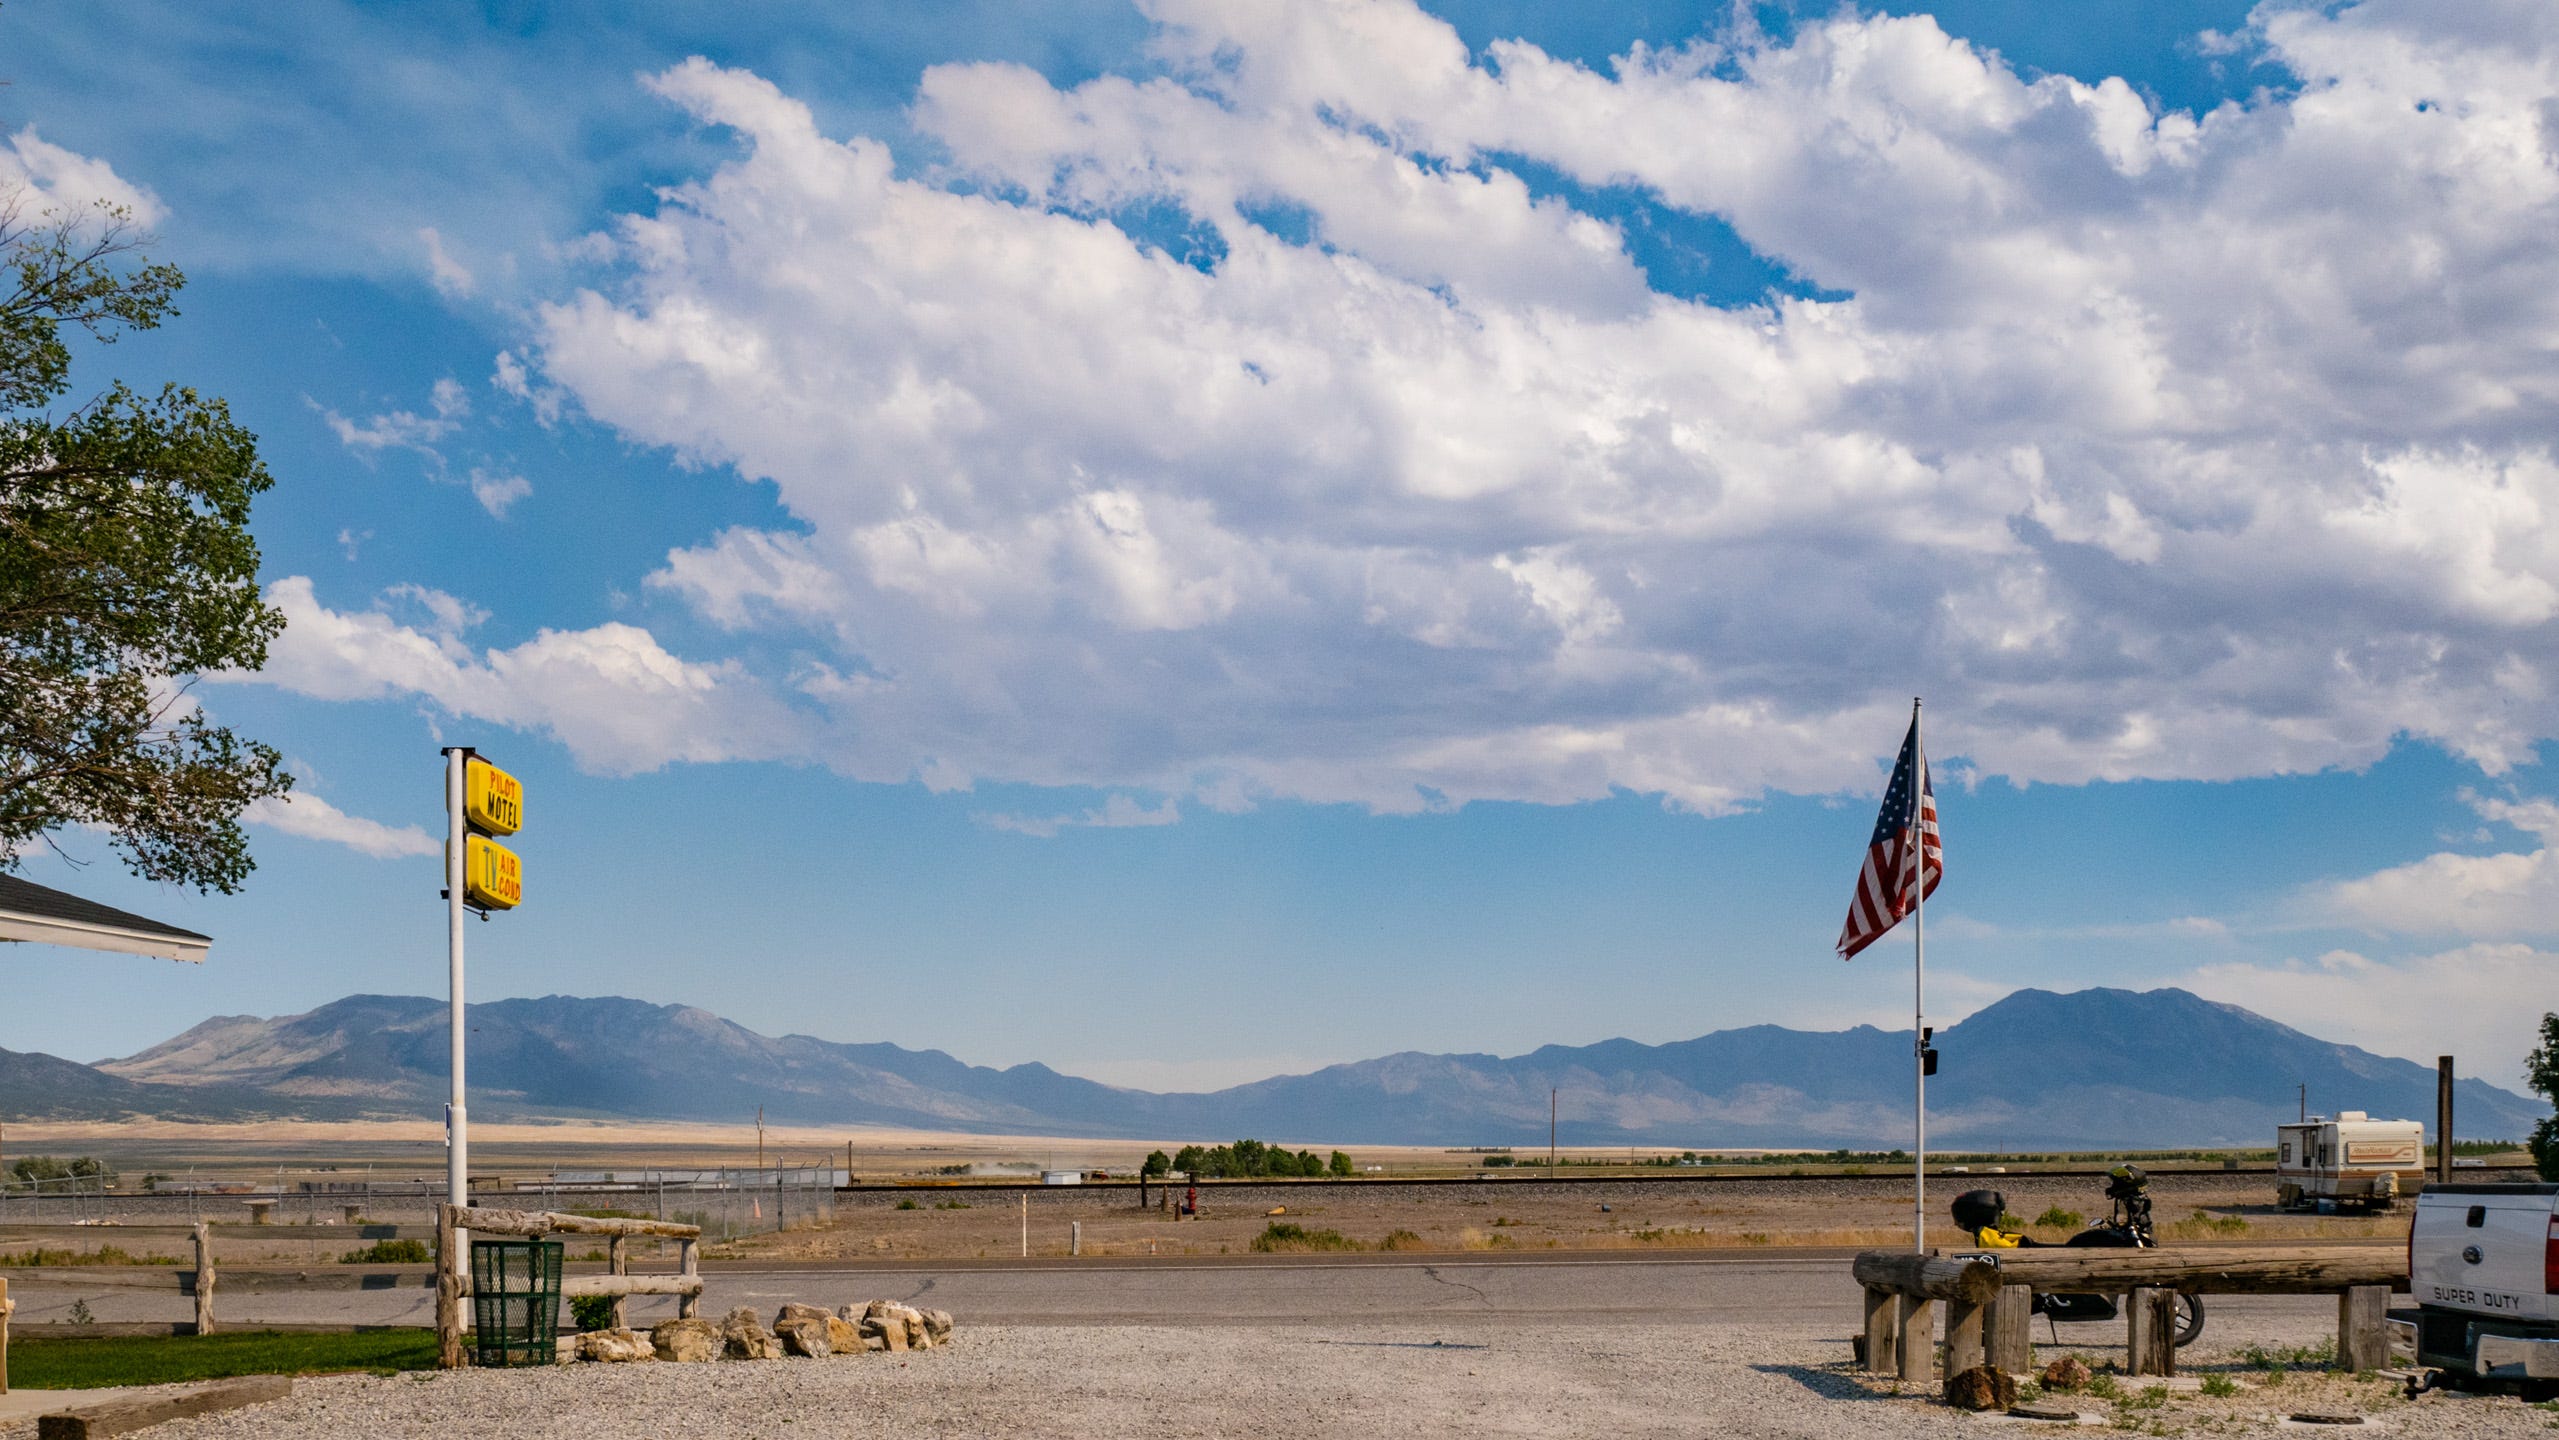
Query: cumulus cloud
point(2461, 1002)
point(2496, 896)
point(451, 278)
point(1272, 423)
point(307, 815)
point(497, 491)
point(612, 695)
point(46, 177)
point(448, 406)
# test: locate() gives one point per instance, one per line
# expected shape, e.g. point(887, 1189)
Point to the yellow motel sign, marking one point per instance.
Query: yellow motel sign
point(492, 800)
point(492, 876)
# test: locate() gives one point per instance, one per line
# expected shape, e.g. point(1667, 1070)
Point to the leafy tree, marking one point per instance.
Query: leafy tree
point(1189, 1159)
point(1157, 1163)
point(1341, 1165)
point(126, 570)
point(2541, 1071)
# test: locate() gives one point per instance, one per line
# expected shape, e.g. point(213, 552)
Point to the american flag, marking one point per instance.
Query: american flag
point(1884, 888)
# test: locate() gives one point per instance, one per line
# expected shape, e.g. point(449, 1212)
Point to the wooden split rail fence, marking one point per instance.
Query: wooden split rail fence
point(1989, 1299)
point(453, 1267)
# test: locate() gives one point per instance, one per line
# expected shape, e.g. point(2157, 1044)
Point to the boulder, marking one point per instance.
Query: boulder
point(743, 1337)
point(843, 1337)
point(1983, 1387)
point(938, 1324)
point(2067, 1373)
point(615, 1346)
point(919, 1336)
point(797, 1311)
point(803, 1337)
point(686, 1340)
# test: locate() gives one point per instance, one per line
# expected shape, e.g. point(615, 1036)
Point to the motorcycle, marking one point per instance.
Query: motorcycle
point(2127, 1227)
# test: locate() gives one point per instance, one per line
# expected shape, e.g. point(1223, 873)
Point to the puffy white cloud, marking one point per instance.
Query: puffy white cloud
point(46, 177)
point(617, 699)
point(497, 491)
point(2482, 1003)
point(307, 815)
point(452, 278)
point(1256, 427)
point(448, 406)
point(2494, 896)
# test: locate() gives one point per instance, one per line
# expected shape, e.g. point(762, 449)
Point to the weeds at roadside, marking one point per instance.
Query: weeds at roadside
point(389, 1252)
point(103, 1255)
point(953, 1205)
point(1281, 1237)
point(909, 1203)
point(2220, 1387)
point(2056, 1218)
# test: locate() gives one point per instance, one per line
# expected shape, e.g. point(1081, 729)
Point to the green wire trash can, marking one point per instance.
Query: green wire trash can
point(515, 1302)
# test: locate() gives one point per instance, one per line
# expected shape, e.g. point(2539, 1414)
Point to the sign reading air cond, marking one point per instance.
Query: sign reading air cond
point(491, 875)
point(492, 800)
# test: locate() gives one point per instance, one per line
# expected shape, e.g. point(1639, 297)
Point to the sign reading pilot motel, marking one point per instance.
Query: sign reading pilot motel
point(492, 805)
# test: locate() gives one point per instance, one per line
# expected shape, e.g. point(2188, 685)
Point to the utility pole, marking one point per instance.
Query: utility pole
point(1550, 1129)
point(2305, 1100)
point(759, 1137)
point(2443, 1120)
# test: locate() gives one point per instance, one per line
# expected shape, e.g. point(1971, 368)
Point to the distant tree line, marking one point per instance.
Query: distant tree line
point(1247, 1160)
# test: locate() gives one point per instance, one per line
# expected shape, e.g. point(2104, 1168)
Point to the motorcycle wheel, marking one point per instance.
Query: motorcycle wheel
point(2190, 1319)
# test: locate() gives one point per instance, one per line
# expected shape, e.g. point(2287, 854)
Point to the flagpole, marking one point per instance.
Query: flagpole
point(1919, 982)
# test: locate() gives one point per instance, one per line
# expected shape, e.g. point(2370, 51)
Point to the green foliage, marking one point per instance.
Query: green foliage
point(1157, 1163)
point(1280, 1237)
point(51, 1167)
point(909, 1203)
point(2220, 1387)
point(1248, 1160)
point(1496, 1162)
point(1339, 1165)
point(103, 1255)
point(389, 1252)
point(2541, 1071)
point(48, 1364)
point(952, 1205)
point(592, 1312)
point(126, 570)
point(2057, 1218)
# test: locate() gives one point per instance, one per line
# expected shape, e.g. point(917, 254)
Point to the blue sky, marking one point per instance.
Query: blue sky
point(1187, 541)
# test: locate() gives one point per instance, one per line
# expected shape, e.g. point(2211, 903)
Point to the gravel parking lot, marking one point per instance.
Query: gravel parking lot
point(1350, 1381)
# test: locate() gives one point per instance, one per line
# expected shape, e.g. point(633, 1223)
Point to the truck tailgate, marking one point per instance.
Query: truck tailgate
point(2483, 1250)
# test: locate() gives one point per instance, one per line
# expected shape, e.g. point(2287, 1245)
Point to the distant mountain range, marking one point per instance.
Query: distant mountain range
point(2037, 1070)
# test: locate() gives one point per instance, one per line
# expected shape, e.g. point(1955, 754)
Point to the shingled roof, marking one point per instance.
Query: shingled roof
point(29, 911)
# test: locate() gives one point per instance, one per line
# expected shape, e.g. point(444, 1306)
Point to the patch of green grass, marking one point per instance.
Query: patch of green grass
point(954, 1205)
point(909, 1203)
point(601, 1213)
point(2152, 1397)
point(103, 1255)
point(389, 1252)
point(64, 1364)
point(2103, 1386)
point(2057, 1218)
point(2280, 1358)
point(2220, 1387)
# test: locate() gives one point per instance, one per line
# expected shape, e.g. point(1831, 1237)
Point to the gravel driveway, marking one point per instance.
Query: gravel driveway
point(1374, 1383)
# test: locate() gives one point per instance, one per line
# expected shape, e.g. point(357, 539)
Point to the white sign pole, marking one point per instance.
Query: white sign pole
point(457, 1119)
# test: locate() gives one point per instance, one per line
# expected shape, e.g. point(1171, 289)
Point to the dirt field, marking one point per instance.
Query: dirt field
point(1507, 1214)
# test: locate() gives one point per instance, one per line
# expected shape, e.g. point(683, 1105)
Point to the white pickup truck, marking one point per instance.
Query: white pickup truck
point(2483, 1267)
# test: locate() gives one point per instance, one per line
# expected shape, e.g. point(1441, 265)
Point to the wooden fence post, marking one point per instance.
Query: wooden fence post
point(1963, 1336)
point(449, 1264)
point(2008, 1338)
point(1880, 1329)
point(2363, 1337)
point(689, 1306)
point(203, 1278)
point(1917, 1350)
point(616, 1262)
point(6, 1306)
point(2152, 1342)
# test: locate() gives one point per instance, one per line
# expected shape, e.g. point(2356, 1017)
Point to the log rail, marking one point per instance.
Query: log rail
point(1989, 1298)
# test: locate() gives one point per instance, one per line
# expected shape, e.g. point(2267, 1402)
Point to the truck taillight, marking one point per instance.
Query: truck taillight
point(2550, 1260)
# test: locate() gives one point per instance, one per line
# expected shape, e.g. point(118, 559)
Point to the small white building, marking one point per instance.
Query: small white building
point(2351, 1159)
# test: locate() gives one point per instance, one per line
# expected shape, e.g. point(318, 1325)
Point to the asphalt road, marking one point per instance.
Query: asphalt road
point(1793, 1288)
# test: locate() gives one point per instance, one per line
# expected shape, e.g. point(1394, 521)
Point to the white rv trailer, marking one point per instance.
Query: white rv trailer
point(2351, 1159)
